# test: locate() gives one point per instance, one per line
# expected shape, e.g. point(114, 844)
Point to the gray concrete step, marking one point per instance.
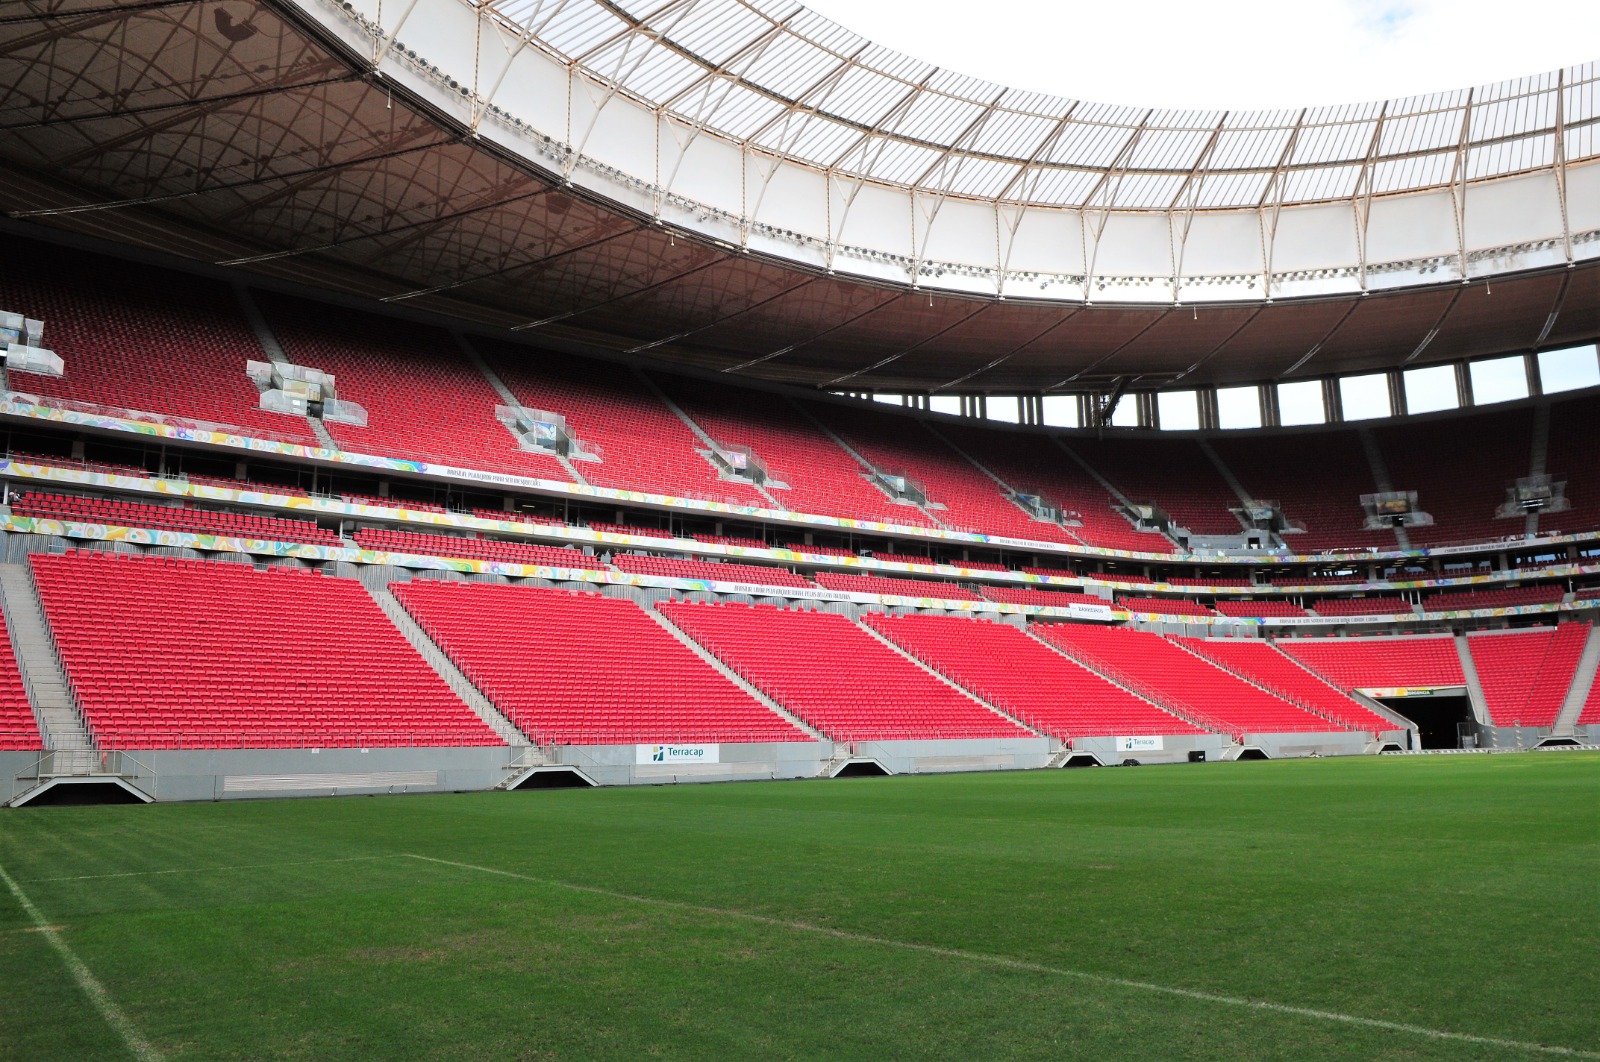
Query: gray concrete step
point(57, 713)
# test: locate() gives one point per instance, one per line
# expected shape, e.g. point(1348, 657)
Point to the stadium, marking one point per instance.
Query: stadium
point(444, 400)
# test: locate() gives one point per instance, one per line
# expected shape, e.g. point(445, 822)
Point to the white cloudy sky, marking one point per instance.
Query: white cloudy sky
point(1232, 54)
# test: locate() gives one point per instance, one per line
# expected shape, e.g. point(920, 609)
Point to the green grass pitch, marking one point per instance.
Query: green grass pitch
point(1395, 908)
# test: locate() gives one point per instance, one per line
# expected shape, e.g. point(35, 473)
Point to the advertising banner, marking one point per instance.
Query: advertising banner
point(1140, 744)
point(676, 753)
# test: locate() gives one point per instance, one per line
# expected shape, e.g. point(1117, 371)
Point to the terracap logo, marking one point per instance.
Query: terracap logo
point(659, 755)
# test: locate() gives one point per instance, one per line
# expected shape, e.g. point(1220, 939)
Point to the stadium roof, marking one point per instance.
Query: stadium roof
point(750, 188)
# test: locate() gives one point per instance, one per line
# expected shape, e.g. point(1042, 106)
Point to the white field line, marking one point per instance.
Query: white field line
point(210, 870)
point(98, 996)
point(1007, 962)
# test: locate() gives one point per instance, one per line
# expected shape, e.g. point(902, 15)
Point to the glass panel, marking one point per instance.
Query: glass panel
point(1301, 403)
point(1239, 407)
point(1179, 410)
point(1431, 389)
point(1365, 397)
point(945, 404)
point(1061, 411)
point(1498, 380)
point(1568, 370)
point(1003, 408)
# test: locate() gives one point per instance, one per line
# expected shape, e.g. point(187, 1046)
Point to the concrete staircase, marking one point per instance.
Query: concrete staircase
point(699, 432)
point(59, 719)
point(446, 669)
point(1538, 458)
point(1380, 475)
point(510, 399)
point(1138, 689)
point(968, 694)
point(1480, 705)
point(733, 676)
point(1582, 682)
point(1371, 704)
point(274, 352)
point(867, 468)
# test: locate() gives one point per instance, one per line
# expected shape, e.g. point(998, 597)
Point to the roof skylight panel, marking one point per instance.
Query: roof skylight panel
point(1221, 191)
point(1413, 172)
point(1012, 135)
point(1511, 156)
point(1320, 184)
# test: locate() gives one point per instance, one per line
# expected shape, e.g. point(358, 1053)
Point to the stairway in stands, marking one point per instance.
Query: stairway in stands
point(59, 719)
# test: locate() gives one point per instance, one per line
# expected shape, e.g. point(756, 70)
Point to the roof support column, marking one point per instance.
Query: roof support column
point(1271, 415)
point(1396, 380)
point(1464, 385)
point(1206, 399)
point(1332, 400)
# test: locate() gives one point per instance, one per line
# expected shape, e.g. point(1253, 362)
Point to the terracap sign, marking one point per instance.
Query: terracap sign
point(676, 753)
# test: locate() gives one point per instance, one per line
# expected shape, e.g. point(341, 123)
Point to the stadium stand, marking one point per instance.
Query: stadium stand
point(1297, 579)
point(641, 564)
point(1026, 461)
point(819, 476)
point(1173, 473)
point(476, 548)
point(1526, 674)
point(19, 729)
point(169, 518)
point(1574, 456)
point(1260, 662)
point(732, 540)
point(1166, 606)
point(582, 669)
point(519, 516)
point(912, 558)
point(424, 400)
point(835, 675)
point(1208, 580)
point(631, 529)
point(971, 500)
point(642, 444)
point(1462, 505)
point(142, 338)
point(1046, 598)
point(1506, 597)
point(1328, 503)
point(1048, 691)
point(1424, 662)
point(874, 584)
point(1180, 677)
point(1362, 606)
point(165, 654)
point(393, 503)
point(1259, 608)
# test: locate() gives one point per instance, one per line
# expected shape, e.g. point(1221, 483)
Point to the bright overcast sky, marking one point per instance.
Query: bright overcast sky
point(1234, 54)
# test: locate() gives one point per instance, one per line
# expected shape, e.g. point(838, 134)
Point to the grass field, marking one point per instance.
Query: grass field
point(1396, 908)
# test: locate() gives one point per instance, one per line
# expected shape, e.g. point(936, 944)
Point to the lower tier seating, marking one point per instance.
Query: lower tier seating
point(1027, 679)
point(1180, 677)
point(874, 584)
point(831, 672)
point(673, 568)
point(583, 669)
point(170, 518)
point(19, 730)
point(476, 548)
point(1380, 663)
point(166, 654)
point(1259, 661)
point(1526, 674)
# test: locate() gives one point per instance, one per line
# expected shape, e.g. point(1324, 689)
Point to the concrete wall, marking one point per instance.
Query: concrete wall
point(234, 774)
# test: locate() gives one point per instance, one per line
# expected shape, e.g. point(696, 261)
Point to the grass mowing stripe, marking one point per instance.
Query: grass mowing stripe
point(142, 1049)
point(208, 870)
point(1008, 962)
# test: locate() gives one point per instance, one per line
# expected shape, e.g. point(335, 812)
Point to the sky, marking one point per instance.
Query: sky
point(1233, 54)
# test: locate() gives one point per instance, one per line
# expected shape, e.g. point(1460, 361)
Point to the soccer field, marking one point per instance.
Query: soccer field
point(1394, 908)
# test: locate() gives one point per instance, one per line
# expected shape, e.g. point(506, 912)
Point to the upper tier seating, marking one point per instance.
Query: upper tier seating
point(1179, 677)
point(519, 517)
point(1462, 506)
point(1174, 473)
point(642, 444)
point(583, 669)
point(1526, 674)
point(1380, 663)
point(904, 446)
point(1298, 579)
point(1260, 608)
point(1318, 478)
point(835, 675)
point(1362, 606)
point(1259, 661)
point(166, 654)
point(1164, 606)
point(424, 400)
point(820, 477)
point(820, 551)
point(1208, 580)
point(1025, 460)
point(1588, 593)
point(170, 518)
point(1012, 595)
point(1030, 681)
point(392, 503)
point(631, 529)
point(1575, 457)
point(476, 548)
point(1504, 597)
point(876, 584)
point(142, 338)
point(673, 568)
point(19, 730)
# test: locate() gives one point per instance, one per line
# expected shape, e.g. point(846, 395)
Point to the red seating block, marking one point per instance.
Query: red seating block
point(694, 569)
point(476, 548)
point(1526, 674)
point(170, 518)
